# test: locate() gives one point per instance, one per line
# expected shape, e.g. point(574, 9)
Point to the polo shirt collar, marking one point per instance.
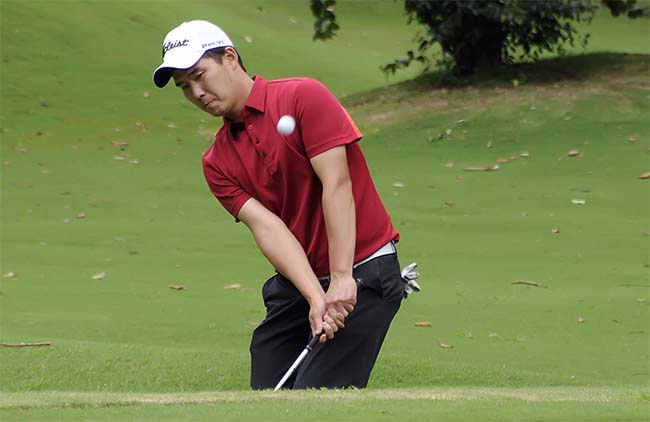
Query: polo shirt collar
point(255, 101)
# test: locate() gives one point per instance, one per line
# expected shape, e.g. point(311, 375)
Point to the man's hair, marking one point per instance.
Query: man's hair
point(217, 55)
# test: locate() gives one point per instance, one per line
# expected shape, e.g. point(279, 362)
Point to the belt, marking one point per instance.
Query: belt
point(387, 249)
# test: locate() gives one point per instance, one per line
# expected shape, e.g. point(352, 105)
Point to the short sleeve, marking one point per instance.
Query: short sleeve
point(323, 122)
point(231, 196)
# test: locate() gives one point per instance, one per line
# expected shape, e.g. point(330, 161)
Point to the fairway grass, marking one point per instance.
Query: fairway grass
point(449, 404)
point(99, 178)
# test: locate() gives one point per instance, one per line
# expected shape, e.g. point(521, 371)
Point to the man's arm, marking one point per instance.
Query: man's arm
point(285, 253)
point(331, 167)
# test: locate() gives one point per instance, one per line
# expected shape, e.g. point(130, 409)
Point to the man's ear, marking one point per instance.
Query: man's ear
point(231, 57)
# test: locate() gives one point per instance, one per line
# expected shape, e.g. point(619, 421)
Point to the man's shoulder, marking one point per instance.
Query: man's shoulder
point(211, 155)
point(296, 84)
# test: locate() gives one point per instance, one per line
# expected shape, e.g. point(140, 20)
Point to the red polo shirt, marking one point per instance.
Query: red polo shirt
point(251, 159)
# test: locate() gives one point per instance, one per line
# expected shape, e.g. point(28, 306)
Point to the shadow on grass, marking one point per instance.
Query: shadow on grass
point(566, 69)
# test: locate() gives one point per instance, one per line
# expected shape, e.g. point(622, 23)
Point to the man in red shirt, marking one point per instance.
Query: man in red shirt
point(310, 203)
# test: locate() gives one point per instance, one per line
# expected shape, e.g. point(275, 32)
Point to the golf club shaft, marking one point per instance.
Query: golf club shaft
point(297, 362)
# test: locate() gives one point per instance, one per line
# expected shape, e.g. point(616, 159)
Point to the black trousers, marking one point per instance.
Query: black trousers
point(346, 360)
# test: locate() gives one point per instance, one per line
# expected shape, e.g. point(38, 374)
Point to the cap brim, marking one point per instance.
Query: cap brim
point(164, 72)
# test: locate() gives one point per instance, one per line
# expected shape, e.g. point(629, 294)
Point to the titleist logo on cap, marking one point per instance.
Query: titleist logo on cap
point(173, 44)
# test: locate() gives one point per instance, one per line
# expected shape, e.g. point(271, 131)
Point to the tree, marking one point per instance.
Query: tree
point(476, 33)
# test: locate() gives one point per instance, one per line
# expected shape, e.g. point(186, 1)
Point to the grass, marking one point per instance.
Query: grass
point(449, 404)
point(121, 342)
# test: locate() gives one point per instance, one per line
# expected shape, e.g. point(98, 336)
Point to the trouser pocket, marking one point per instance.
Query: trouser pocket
point(383, 276)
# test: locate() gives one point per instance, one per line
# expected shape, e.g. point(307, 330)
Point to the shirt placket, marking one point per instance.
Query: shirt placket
point(260, 146)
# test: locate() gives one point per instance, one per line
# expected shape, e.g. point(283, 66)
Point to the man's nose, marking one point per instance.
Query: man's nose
point(197, 91)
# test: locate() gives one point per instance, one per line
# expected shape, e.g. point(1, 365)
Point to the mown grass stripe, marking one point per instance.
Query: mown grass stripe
point(57, 399)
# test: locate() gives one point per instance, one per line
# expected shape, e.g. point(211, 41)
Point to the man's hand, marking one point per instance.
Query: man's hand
point(320, 321)
point(340, 299)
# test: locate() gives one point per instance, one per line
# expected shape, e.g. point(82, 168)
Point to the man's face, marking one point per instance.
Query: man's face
point(208, 85)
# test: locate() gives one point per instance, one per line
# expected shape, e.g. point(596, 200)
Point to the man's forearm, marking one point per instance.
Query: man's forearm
point(284, 252)
point(340, 221)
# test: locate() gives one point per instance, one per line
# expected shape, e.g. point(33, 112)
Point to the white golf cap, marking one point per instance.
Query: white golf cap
point(184, 46)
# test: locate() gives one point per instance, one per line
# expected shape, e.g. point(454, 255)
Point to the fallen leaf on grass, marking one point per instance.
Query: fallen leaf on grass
point(146, 95)
point(529, 283)
point(445, 346)
point(21, 344)
point(556, 231)
point(99, 276)
point(645, 175)
point(503, 160)
point(449, 204)
point(489, 145)
point(21, 148)
point(574, 153)
point(525, 154)
point(482, 168)
point(579, 201)
point(11, 274)
point(580, 320)
point(248, 39)
point(120, 144)
point(233, 286)
point(177, 287)
point(398, 185)
point(634, 138)
point(423, 324)
point(252, 323)
point(80, 215)
point(122, 156)
point(6, 163)
point(449, 164)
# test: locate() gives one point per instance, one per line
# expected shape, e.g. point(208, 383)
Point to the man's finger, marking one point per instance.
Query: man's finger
point(332, 324)
point(337, 317)
point(328, 332)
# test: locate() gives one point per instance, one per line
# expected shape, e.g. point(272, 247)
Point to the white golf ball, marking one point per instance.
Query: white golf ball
point(286, 125)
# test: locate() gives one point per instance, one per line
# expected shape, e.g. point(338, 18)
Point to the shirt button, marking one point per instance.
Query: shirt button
point(250, 127)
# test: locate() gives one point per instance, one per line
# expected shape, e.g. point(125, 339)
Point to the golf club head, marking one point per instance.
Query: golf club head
point(409, 277)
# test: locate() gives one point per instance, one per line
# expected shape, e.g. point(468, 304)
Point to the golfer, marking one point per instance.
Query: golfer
point(309, 201)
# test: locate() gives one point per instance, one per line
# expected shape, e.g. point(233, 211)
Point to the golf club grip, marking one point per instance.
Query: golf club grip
point(314, 341)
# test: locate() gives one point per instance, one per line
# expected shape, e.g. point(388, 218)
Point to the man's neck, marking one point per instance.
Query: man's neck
point(246, 88)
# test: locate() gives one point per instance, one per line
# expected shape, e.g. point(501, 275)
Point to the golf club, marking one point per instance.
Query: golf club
point(312, 343)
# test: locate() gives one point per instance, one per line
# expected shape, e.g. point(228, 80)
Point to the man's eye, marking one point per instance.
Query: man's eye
point(198, 75)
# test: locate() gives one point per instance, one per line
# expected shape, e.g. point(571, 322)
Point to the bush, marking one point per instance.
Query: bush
point(490, 33)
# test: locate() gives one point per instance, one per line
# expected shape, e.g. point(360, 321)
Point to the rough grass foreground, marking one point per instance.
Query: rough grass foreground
point(59, 399)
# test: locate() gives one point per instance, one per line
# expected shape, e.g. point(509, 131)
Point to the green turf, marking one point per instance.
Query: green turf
point(69, 92)
point(448, 405)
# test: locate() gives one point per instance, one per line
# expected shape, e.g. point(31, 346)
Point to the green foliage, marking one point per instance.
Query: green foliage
point(325, 26)
point(475, 33)
point(628, 7)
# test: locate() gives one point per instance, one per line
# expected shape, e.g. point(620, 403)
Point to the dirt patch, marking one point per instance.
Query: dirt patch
point(610, 75)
